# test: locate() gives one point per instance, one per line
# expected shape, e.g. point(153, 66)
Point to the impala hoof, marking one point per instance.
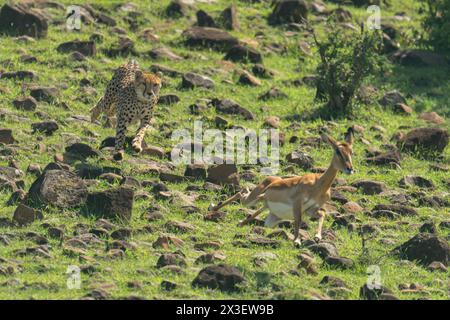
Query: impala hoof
point(211, 207)
point(317, 238)
point(297, 243)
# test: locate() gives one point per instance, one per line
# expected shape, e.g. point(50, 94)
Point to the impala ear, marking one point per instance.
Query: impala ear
point(349, 136)
point(329, 140)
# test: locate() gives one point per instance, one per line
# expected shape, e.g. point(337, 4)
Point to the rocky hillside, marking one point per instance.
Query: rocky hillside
point(141, 228)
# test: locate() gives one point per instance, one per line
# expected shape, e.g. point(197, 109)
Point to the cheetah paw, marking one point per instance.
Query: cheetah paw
point(137, 148)
point(118, 156)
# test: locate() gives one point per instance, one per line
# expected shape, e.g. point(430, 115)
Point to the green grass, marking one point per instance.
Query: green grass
point(54, 69)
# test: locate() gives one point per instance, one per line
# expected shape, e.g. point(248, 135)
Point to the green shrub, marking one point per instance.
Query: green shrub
point(437, 24)
point(347, 58)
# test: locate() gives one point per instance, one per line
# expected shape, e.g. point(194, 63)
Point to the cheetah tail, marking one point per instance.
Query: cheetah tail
point(95, 112)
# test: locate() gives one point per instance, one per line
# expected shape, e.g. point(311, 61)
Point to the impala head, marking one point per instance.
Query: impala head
point(342, 159)
point(147, 85)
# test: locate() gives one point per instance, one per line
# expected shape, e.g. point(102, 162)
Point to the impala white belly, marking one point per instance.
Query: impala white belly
point(281, 210)
point(285, 211)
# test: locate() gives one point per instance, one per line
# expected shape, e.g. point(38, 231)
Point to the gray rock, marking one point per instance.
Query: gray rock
point(59, 188)
point(114, 204)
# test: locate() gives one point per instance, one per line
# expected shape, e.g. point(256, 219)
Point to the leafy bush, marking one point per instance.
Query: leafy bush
point(347, 58)
point(437, 24)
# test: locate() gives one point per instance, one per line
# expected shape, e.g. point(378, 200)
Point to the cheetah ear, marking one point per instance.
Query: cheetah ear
point(159, 74)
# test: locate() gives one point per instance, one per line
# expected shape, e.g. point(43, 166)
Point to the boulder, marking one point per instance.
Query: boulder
point(397, 208)
point(339, 262)
point(386, 158)
point(424, 140)
point(324, 249)
point(192, 80)
point(209, 37)
point(302, 159)
point(229, 19)
point(418, 181)
point(26, 103)
point(247, 79)
point(222, 276)
point(420, 58)
point(124, 48)
point(163, 53)
point(425, 248)
point(18, 20)
point(241, 53)
point(20, 75)
point(46, 94)
point(223, 174)
point(392, 98)
point(169, 259)
point(6, 136)
point(289, 11)
point(205, 20)
point(59, 188)
point(432, 117)
point(375, 292)
point(87, 48)
point(402, 108)
point(370, 187)
point(273, 93)
point(228, 106)
point(178, 8)
point(24, 215)
point(45, 127)
point(82, 150)
point(198, 171)
point(114, 203)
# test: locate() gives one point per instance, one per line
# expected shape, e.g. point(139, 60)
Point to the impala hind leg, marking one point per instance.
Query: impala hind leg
point(271, 221)
point(243, 194)
point(297, 221)
point(253, 216)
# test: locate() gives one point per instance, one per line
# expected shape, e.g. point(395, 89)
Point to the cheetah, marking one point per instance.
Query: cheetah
point(131, 95)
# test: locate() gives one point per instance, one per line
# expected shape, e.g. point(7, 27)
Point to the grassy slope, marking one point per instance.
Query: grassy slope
point(56, 69)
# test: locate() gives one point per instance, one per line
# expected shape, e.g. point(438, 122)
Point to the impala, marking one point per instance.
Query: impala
point(290, 198)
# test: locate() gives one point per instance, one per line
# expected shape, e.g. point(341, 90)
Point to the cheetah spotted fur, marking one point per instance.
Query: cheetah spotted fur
point(131, 95)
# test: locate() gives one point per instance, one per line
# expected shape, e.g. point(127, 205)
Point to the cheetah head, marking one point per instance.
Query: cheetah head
point(147, 86)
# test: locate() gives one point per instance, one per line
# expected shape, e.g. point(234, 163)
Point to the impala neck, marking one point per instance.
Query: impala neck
point(326, 179)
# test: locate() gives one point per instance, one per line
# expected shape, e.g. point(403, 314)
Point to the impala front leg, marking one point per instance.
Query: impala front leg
point(298, 211)
point(322, 213)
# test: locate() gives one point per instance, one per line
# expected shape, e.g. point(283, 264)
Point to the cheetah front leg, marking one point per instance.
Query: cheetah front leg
point(137, 141)
point(120, 138)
